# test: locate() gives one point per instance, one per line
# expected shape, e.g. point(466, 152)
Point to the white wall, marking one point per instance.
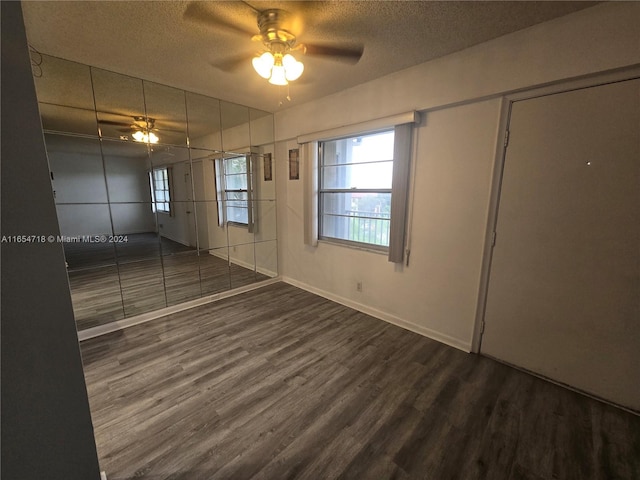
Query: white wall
point(454, 156)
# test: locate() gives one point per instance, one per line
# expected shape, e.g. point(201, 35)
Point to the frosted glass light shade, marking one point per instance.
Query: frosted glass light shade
point(140, 136)
point(294, 71)
point(278, 76)
point(263, 64)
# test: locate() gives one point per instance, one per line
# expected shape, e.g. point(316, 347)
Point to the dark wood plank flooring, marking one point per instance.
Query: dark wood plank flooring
point(280, 384)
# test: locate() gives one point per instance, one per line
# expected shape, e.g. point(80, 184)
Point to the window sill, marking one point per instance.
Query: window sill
point(330, 241)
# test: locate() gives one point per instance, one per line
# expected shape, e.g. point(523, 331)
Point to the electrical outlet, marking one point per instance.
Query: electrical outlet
point(359, 286)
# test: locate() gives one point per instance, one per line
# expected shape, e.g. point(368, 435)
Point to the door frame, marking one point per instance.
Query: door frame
point(603, 78)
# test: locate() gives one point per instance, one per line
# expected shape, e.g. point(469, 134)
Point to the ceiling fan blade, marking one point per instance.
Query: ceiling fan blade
point(113, 122)
point(231, 64)
point(198, 12)
point(348, 54)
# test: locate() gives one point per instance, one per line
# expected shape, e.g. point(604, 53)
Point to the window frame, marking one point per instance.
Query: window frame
point(223, 191)
point(168, 189)
point(321, 191)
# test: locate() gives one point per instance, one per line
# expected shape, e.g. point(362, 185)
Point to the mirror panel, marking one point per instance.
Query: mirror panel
point(133, 222)
point(236, 135)
point(181, 277)
point(89, 219)
point(166, 113)
point(178, 226)
point(119, 104)
point(76, 169)
point(242, 265)
point(178, 176)
point(238, 235)
point(203, 164)
point(214, 271)
point(65, 96)
point(266, 259)
point(142, 281)
point(261, 127)
point(66, 83)
point(265, 173)
point(137, 245)
point(210, 234)
point(96, 296)
point(68, 119)
point(127, 166)
point(265, 228)
point(204, 114)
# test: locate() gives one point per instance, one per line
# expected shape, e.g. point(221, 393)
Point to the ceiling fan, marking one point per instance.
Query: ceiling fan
point(276, 32)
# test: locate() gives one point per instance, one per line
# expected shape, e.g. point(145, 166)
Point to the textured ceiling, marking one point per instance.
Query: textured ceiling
point(156, 41)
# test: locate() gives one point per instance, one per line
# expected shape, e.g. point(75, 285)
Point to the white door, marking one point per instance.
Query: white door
point(564, 292)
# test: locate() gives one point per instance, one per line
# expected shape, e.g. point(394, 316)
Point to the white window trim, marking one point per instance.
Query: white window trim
point(403, 152)
point(221, 192)
point(342, 241)
point(169, 190)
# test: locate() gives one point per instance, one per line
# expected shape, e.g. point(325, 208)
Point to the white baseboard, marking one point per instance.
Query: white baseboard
point(242, 264)
point(387, 317)
point(147, 317)
point(103, 476)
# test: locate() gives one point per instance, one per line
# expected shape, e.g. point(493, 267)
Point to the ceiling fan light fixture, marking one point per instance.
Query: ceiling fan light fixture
point(293, 68)
point(263, 64)
point(278, 75)
point(278, 69)
point(142, 137)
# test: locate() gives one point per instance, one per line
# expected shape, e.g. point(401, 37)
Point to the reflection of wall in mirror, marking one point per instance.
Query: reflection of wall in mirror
point(179, 226)
point(268, 174)
point(77, 181)
point(294, 164)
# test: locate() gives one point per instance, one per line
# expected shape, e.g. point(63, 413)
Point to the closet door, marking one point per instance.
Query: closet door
point(564, 291)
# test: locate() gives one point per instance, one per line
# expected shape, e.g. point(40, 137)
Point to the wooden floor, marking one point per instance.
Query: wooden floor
point(280, 384)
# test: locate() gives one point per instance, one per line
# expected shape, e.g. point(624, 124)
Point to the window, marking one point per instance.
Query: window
point(356, 184)
point(236, 173)
point(355, 189)
point(160, 190)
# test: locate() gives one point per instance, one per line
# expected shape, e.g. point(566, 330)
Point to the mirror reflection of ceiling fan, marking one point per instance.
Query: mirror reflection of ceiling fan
point(277, 33)
point(142, 129)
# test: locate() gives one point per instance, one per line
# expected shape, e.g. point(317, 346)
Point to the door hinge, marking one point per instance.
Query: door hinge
point(481, 328)
point(493, 239)
point(506, 138)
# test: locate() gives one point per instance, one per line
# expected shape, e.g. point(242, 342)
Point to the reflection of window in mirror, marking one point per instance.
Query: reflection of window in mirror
point(161, 190)
point(268, 173)
point(234, 189)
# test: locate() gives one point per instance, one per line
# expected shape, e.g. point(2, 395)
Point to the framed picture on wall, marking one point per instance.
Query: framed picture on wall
point(268, 173)
point(294, 164)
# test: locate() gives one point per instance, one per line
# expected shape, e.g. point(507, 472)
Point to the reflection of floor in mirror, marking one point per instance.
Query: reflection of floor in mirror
point(142, 280)
point(138, 246)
